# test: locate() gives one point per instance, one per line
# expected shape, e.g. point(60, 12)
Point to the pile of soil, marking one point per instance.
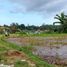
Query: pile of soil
point(13, 53)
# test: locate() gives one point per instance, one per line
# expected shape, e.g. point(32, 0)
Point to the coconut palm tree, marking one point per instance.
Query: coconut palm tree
point(62, 21)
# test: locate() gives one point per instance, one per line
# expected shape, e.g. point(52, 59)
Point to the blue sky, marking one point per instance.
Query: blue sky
point(32, 12)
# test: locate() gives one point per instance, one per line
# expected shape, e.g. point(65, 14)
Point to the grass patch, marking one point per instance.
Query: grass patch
point(21, 64)
point(50, 35)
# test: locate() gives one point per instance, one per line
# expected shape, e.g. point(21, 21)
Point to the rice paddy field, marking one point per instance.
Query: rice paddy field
point(42, 50)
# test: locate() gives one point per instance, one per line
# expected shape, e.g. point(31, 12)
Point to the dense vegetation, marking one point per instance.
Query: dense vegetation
point(61, 28)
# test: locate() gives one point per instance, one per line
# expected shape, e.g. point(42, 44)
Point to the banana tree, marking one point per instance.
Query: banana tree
point(62, 21)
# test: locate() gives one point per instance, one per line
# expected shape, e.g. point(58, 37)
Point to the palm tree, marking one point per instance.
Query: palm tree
point(62, 21)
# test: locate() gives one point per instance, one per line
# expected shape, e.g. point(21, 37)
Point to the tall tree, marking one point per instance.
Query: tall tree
point(62, 21)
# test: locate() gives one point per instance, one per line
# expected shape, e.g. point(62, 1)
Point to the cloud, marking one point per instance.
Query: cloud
point(49, 6)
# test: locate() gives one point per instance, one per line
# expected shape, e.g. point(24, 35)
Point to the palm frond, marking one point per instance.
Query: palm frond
point(56, 23)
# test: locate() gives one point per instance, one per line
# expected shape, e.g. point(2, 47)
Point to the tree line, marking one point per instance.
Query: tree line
point(61, 28)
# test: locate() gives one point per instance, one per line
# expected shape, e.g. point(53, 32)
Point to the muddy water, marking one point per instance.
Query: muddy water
point(53, 54)
point(51, 51)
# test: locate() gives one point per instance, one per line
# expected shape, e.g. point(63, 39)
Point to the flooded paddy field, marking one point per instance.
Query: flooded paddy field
point(51, 49)
point(52, 55)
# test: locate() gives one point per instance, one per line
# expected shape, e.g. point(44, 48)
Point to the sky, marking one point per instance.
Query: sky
point(32, 12)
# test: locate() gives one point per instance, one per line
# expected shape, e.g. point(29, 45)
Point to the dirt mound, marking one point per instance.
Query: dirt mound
point(12, 53)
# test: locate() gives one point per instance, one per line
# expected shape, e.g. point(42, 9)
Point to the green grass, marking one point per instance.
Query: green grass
point(50, 35)
point(41, 35)
point(11, 46)
point(21, 64)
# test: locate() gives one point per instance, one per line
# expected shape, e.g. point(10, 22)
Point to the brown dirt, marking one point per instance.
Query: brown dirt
point(13, 53)
point(13, 56)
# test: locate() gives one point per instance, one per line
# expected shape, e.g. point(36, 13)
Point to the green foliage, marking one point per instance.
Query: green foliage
point(62, 21)
point(21, 64)
point(62, 28)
